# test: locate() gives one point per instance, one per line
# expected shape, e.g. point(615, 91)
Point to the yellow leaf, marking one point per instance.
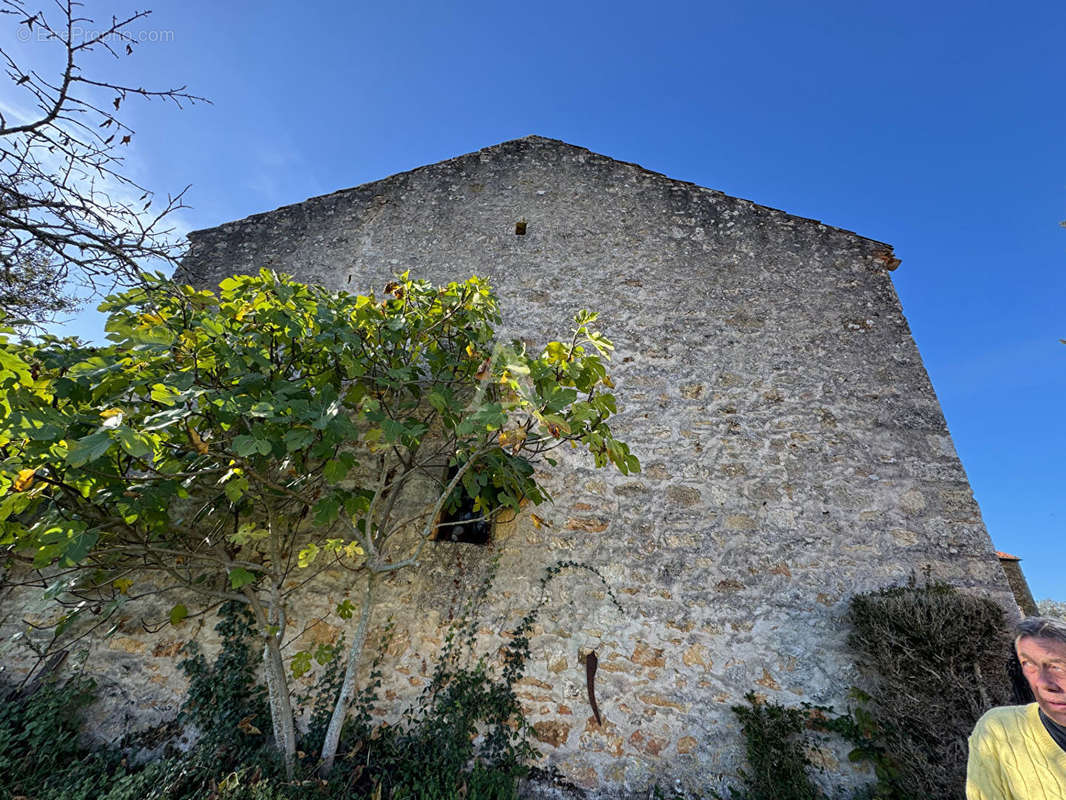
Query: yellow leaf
point(539, 522)
point(24, 480)
point(199, 444)
point(122, 584)
point(110, 413)
point(247, 726)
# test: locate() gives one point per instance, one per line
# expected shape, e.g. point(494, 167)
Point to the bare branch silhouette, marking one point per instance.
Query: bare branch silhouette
point(71, 220)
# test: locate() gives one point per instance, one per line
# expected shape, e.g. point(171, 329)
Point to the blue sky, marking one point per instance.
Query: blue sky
point(936, 127)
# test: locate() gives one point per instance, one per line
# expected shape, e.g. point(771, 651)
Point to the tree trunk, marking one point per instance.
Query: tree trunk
point(280, 706)
point(281, 717)
point(340, 710)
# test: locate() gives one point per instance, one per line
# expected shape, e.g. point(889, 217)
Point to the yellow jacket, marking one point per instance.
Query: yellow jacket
point(1013, 757)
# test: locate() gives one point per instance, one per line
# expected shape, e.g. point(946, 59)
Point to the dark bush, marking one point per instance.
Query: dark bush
point(937, 660)
point(39, 733)
point(465, 739)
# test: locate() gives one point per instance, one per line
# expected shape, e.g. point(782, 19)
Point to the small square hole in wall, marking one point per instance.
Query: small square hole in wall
point(520, 228)
point(459, 522)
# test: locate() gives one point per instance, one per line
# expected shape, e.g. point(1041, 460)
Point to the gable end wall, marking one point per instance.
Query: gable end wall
point(794, 451)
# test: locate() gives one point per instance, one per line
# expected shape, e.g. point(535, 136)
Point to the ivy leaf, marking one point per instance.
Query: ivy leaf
point(345, 609)
point(301, 664)
point(178, 614)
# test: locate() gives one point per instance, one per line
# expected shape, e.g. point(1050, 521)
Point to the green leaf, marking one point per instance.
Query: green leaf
point(298, 379)
point(298, 439)
point(132, 443)
point(261, 409)
point(336, 469)
point(239, 577)
point(248, 532)
point(178, 613)
point(67, 620)
point(394, 430)
point(164, 395)
point(326, 510)
point(14, 504)
point(324, 654)
point(235, 488)
point(88, 449)
point(78, 546)
point(301, 664)
point(438, 401)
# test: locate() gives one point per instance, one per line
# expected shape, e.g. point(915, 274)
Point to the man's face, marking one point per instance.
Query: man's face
point(1044, 666)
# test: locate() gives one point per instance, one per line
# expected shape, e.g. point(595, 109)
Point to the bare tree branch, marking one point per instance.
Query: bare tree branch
point(72, 221)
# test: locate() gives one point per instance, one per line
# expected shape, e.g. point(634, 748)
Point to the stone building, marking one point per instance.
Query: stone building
point(1019, 586)
point(794, 451)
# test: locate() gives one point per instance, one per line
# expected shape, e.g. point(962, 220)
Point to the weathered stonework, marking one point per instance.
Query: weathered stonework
point(794, 451)
point(1019, 586)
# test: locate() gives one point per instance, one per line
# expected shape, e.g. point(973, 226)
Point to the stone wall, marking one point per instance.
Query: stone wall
point(1019, 586)
point(794, 451)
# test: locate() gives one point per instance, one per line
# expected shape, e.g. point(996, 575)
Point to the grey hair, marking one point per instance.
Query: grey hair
point(1041, 628)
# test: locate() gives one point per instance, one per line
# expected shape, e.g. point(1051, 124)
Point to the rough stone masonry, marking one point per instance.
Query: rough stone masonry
point(794, 451)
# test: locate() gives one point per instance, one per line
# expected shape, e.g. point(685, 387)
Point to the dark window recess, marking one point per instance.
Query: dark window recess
point(455, 523)
point(520, 228)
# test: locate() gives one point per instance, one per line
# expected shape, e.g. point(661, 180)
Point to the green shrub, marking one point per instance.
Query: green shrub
point(465, 738)
point(40, 756)
point(775, 747)
point(937, 659)
point(224, 700)
point(39, 734)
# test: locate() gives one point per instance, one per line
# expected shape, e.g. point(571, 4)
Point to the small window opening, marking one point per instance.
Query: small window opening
point(459, 522)
point(520, 228)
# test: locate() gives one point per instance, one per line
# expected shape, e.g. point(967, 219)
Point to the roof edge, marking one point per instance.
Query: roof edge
point(888, 258)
